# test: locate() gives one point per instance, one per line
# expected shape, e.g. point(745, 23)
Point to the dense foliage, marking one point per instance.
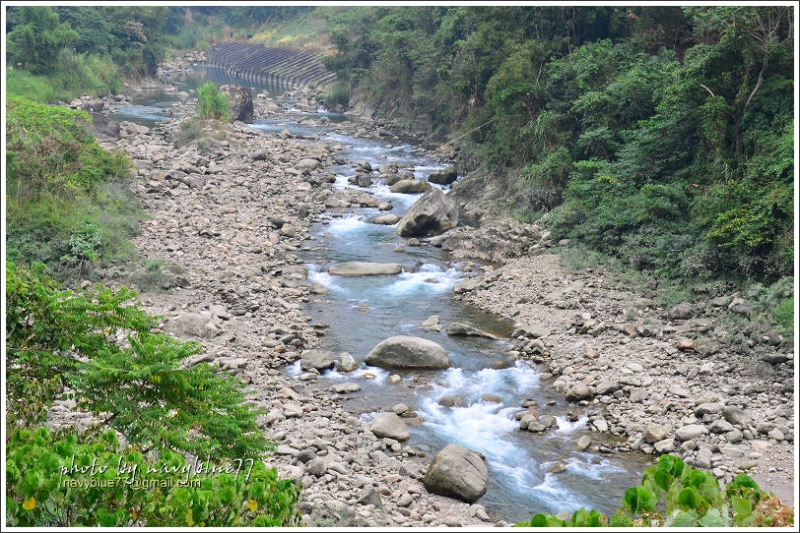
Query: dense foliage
point(91, 480)
point(211, 103)
point(673, 494)
point(96, 349)
point(67, 204)
point(662, 135)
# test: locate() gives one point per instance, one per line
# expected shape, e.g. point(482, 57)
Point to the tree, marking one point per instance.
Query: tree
point(37, 39)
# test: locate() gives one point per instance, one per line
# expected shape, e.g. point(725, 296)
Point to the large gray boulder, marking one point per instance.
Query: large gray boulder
point(458, 472)
point(432, 214)
point(359, 268)
point(457, 329)
point(403, 351)
point(240, 102)
point(318, 360)
point(189, 325)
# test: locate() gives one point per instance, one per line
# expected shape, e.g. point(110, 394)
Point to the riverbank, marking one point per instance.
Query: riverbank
point(227, 218)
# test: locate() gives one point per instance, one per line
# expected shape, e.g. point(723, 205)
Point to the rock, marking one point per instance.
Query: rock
point(457, 329)
point(389, 425)
point(708, 408)
point(578, 391)
point(703, 459)
point(345, 388)
point(403, 351)
point(655, 434)
point(317, 466)
point(433, 214)
point(741, 307)
point(410, 186)
point(443, 177)
point(584, 442)
point(318, 360)
point(192, 325)
point(103, 128)
point(347, 363)
point(359, 268)
point(431, 321)
point(386, 220)
point(307, 165)
point(664, 446)
point(458, 472)
point(736, 416)
point(240, 102)
point(686, 345)
point(370, 496)
point(681, 311)
point(690, 432)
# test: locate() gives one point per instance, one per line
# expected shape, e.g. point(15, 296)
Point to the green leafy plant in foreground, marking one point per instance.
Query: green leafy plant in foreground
point(673, 494)
point(90, 480)
point(211, 103)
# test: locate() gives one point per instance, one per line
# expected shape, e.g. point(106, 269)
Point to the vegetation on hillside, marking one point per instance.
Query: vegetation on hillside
point(661, 135)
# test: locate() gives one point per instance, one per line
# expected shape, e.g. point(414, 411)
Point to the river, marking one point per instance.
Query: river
point(487, 385)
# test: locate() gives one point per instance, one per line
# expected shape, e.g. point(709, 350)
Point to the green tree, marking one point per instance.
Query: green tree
point(37, 38)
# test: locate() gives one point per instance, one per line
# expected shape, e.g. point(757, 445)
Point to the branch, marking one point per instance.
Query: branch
point(707, 89)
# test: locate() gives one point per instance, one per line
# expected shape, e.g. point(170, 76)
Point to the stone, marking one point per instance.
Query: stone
point(347, 363)
point(410, 186)
point(741, 307)
point(345, 388)
point(686, 345)
point(458, 472)
point(681, 311)
point(433, 214)
point(386, 220)
point(431, 321)
point(578, 391)
point(711, 408)
point(654, 434)
point(370, 496)
point(318, 360)
point(457, 329)
point(317, 466)
point(736, 416)
point(443, 177)
point(192, 325)
point(240, 102)
point(664, 446)
point(584, 442)
point(703, 459)
point(389, 425)
point(690, 432)
point(361, 268)
point(721, 426)
point(403, 351)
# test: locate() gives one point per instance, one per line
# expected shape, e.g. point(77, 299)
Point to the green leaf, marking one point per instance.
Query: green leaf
point(712, 518)
point(688, 498)
point(685, 519)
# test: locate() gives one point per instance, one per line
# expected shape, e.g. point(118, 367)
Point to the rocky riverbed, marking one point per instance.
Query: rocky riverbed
point(227, 214)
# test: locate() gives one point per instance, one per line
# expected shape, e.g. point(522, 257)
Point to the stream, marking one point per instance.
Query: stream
point(487, 386)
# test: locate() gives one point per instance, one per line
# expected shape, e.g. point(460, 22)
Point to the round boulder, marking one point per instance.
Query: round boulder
point(443, 177)
point(403, 351)
point(240, 102)
point(434, 213)
point(410, 186)
point(458, 472)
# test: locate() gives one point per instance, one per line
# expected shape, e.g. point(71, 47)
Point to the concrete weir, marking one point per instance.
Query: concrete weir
point(269, 65)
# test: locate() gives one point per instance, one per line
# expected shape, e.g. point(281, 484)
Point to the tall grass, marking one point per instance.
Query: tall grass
point(76, 75)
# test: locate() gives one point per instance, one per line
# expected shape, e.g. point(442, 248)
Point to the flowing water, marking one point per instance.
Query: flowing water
point(487, 386)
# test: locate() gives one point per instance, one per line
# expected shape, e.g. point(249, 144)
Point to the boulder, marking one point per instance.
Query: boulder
point(433, 214)
point(308, 164)
point(403, 351)
point(318, 360)
point(240, 102)
point(387, 220)
point(347, 363)
point(457, 329)
point(190, 325)
point(410, 186)
point(358, 268)
point(443, 177)
point(458, 472)
point(389, 425)
point(103, 128)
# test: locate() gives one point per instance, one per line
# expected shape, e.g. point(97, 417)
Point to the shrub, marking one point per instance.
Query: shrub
point(90, 480)
point(211, 103)
point(338, 95)
point(673, 494)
